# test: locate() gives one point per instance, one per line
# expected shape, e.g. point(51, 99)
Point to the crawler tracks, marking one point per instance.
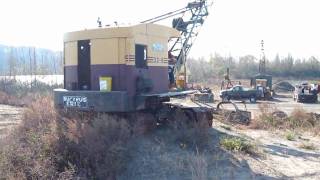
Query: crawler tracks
point(167, 115)
point(184, 117)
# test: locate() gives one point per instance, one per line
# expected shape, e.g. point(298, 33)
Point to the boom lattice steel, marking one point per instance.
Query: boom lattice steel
point(196, 13)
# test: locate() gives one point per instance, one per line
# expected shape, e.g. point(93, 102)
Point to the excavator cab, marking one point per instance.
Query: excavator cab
point(115, 69)
point(121, 69)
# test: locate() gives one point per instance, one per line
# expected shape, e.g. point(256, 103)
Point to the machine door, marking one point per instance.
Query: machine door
point(84, 64)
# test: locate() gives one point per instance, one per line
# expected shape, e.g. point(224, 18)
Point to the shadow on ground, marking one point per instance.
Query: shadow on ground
point(307, 176)
point(284, 151)
point(161, 156)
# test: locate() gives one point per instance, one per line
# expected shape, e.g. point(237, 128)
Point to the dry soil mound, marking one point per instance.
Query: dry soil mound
point(283, 86)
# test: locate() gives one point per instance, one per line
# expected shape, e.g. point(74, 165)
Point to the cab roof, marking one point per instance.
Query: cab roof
point(153, 30)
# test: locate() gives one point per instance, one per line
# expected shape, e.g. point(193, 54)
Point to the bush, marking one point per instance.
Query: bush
point(97, 148)
point(299, 119)
point(266, 119)
point(290, 136)
point(17, 93)
point(49, 146)
point(29, 153)
point(20, 89)
point(237, 144)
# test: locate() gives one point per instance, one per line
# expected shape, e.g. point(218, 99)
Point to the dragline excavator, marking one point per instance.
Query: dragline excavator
point(124, 70)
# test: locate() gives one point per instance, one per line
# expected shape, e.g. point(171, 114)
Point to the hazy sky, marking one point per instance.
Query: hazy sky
point(234, 27)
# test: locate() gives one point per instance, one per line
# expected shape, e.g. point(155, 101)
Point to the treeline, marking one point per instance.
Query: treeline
point(35, 61)
point(29, 61)
point(202, 69)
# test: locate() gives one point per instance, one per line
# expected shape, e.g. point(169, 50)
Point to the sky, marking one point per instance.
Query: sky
point(234, 27)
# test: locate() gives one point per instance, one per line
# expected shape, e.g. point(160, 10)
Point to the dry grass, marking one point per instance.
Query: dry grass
point(188, 132)
point(4, 98)
point(170, 153)
point(9, 100)
point(16, 93)
point(71, 145)
point(299, 120)
point(97, 148)
point(163, 158)
point(308, 146)
point(198, 166)
point(265, 120)
point(77, 145)
point(29, 153)
point(48, 146)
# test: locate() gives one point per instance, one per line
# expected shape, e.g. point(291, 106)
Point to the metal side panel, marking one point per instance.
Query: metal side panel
point(115, 101)
point(308, 98)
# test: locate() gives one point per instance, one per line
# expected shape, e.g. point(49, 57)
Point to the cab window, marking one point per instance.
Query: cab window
point(141, 57)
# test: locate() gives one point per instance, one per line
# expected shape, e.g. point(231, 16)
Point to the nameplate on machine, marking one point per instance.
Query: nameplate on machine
point(75, 101)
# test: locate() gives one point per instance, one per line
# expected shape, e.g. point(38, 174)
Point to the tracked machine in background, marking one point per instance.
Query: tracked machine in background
point(124, 70)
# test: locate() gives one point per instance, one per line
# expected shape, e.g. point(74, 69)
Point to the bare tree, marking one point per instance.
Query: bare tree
point(30, 66)
point(12, 63)
point(35, 64)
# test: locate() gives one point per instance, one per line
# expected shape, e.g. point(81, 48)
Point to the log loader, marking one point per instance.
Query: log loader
point(123, 71)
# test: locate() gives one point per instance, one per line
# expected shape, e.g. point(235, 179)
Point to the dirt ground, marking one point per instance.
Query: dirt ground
point(284, 102)
point(9, 117)
point(157, 157)
point(281, 158)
